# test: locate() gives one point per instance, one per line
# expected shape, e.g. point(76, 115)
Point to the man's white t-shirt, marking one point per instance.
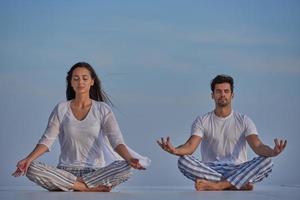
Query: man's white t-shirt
point(223, 139)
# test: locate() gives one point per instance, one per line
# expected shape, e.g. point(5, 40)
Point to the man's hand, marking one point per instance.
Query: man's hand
point(166, 145)
point(279, 146)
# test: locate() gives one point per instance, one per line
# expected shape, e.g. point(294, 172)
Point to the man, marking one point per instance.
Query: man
point(223, 134)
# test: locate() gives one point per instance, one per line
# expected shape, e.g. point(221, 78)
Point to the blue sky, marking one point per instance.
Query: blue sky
point(155, 59)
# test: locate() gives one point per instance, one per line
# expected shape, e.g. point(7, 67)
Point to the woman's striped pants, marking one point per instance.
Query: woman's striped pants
point(63, 178)
point(238, 175)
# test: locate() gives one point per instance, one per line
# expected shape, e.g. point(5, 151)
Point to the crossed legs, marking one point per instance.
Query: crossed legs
point(217, 176)
point(100, 180)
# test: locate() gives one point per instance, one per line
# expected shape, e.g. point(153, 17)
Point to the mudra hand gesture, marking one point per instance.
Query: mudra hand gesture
point(279, 146)
point(166, 145)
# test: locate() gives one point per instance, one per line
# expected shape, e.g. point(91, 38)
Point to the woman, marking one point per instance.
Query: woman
point(89, 138)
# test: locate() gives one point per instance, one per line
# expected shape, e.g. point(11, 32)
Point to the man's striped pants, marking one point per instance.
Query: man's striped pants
point(63, 178)
point(238, 175)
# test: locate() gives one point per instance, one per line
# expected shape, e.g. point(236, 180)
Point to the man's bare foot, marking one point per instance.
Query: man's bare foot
point(203, 185)
point(247, 187)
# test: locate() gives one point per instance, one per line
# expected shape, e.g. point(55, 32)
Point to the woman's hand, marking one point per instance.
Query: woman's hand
point(123, 152)
point(22, 167)
point(133, 162)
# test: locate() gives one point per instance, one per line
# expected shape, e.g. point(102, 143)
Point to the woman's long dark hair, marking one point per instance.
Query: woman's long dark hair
point(96, 92)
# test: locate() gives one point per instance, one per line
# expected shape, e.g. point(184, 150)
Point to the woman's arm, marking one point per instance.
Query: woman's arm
point(23, 164)
point(123, 152)
point(112, 131)
point(43, 145)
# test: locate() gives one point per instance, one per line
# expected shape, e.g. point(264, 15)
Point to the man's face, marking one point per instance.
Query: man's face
point(222, 94)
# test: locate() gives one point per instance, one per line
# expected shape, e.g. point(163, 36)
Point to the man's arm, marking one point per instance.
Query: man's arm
point(264, 150)
point(185, 149)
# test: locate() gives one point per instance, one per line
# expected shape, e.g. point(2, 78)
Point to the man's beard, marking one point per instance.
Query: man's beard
point(223, 102)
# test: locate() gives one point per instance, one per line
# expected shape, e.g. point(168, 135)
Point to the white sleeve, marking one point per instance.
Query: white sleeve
point(197, 127)
point(250, 128)
point(111, 129)
point(52, 129)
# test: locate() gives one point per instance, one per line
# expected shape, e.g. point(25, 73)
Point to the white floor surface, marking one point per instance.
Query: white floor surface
point(261, 192)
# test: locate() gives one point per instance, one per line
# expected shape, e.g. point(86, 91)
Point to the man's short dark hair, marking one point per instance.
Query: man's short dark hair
point(222, 78)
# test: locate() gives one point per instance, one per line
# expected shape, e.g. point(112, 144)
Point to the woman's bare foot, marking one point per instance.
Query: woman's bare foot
point(80, 186)
point(99, 188)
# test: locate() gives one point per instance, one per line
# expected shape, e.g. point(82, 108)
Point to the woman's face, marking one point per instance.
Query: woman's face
point(81, 80)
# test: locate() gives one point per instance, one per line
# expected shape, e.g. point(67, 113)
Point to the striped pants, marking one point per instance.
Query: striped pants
point(63, 178)
point(238, 175)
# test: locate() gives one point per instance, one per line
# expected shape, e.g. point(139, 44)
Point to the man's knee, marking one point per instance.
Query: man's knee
point(182, 159)
point(185, 162)
point(267, 160)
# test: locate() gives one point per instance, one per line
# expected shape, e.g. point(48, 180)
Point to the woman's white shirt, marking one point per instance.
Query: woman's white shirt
point(81, 142)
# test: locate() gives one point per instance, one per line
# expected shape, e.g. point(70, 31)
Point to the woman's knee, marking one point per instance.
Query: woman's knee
point(32, 168)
